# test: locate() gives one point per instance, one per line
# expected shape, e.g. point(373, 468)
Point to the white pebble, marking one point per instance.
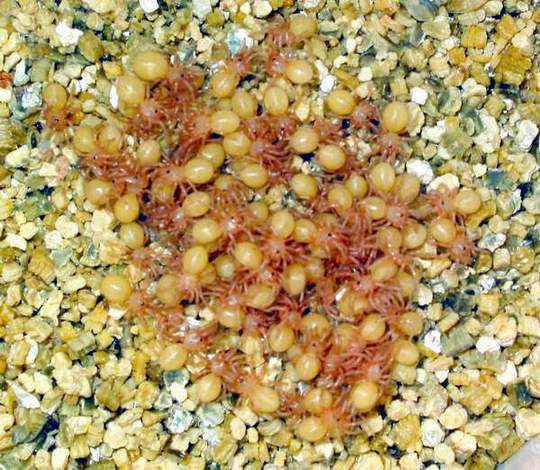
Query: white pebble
point(434, 134)
point(432, 433)
point(527, 132)
point(370, 461)
point(454, 417)
point(72, 381)
point(372, 424)
point(18, 157)
point(48, 170)
point(310, 3)
point(493, 7)
point(327, 84)
point(116, 313)
point(43, 384)
point(32, 352)
point(115, 436)
point(421, 169)
point(245, 8)
point(73, 70)
point(113, 97)
point(463, 444)
point(3, 36)
point(350, 46)
point(262, 8)
point(326, 449)
point(53, 240)
point(27, 381)
point(238, 428)
point(201, 8)
point(6, 421)
point(178, 392)
point(244, 36)
point(252, 435)
point(410, 462)
point(101, 6)
point(398, 409)
point(74, 283)
point(488, 140)
point(529, 325)
point(365, 74)
point(508, 375)
point(149, 6)
point(11, 272)
point(527, 423)
point(479, 170)
point(5, 95)
point(67, 36)
point(246, 415)
point(441, 375)
point(419, 95)
point(102, 221)
point(471, 88)
point(449, 180)
point(25, 399)
point(59, 458)
point(66, 227)
point(16, 241)
point(79, 424)
point(421, 375)
point(487, 344)
point(432, 340)
point(443, 453)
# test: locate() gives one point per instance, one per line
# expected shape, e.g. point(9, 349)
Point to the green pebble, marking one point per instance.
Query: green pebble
point(90, 46)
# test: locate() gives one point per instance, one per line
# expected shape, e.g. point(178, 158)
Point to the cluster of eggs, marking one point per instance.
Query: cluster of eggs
point(322, 277)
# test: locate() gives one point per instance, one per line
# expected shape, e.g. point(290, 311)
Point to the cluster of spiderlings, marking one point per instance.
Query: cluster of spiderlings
point(260, 235)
